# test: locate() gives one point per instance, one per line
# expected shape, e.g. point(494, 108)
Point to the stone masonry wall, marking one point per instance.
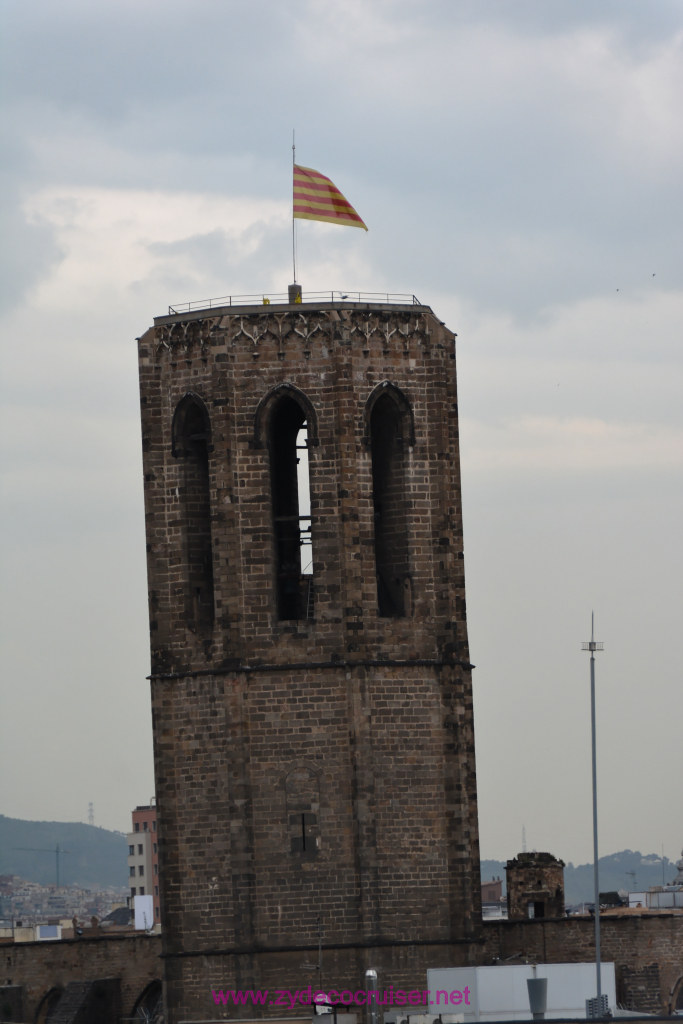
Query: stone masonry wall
point(39, 967)
point(385, 861)
point(647, 951)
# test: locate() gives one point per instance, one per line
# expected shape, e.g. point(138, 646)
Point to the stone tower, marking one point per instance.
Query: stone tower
point(535, 886)
point(311, 683)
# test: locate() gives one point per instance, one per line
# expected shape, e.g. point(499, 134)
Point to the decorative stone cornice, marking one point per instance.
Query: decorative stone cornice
point(388, 327)
point(186, 334)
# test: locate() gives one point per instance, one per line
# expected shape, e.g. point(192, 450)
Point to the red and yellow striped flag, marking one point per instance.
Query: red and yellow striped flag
point(316, 198)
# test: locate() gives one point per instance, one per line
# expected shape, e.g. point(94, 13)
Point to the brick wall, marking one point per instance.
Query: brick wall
point(354, 725)
point(646, 949)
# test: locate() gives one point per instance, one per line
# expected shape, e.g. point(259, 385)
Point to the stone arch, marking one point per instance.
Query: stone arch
point(191, 446)
point(47, 1005)
point(676, 996)
point(149, 1005)
point(266, 407)
point(405, 411)
point(191, 422)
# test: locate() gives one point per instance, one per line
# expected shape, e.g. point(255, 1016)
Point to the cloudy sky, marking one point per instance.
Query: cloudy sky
point(519, 164)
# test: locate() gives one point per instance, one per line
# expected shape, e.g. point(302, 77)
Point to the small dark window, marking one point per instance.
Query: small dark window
point(289, 475)
point(389, 499)
point(191, 441)
point(136, 827)
point(131, 851)
point(303, 809)
point(132, 891)
point(304, 832)
point(131, 870)
point(142, 890)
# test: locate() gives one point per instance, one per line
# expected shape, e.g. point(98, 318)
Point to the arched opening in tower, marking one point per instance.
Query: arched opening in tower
point(191, 438)
point(290, 488)
point(389, 506)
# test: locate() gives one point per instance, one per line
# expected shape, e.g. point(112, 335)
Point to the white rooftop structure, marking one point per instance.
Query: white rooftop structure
point(500, 992)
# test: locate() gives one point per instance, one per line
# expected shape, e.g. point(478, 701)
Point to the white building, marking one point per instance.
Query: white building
point(143, 866)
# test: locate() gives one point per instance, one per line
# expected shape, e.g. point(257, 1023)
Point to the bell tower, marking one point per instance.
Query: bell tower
point(311, 682)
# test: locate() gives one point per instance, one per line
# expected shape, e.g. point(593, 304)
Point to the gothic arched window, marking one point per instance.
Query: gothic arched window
point(288, 432)
point(390, 432)
point(191, 446)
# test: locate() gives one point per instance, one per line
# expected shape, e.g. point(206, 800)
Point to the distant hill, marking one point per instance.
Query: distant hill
point(96, 858)
point(629, 870)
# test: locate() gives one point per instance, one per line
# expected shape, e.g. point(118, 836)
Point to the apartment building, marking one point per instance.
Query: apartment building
point(143, 858)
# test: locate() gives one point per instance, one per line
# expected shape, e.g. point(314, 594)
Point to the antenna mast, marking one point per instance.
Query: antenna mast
point(593, 646)
point(293, 221)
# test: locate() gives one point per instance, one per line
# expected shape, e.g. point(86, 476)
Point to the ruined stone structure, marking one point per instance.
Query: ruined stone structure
point(311, 683)
point(535, 886)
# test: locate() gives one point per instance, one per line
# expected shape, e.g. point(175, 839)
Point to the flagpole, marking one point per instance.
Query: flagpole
point(293, 221)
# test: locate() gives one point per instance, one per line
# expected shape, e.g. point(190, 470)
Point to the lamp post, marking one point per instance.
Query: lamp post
point(593, 646)
point(372, 1015)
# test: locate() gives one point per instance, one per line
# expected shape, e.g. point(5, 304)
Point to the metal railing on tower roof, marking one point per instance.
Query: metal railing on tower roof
point(282, 298)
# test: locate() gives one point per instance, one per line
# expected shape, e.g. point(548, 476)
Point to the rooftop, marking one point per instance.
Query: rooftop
point(279, 298)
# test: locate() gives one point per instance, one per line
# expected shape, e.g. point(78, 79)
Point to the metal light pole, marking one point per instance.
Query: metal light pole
point(592, 646)
point(371, 1014)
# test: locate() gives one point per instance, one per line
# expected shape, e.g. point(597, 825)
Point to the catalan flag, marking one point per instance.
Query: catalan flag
point(316, 198)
